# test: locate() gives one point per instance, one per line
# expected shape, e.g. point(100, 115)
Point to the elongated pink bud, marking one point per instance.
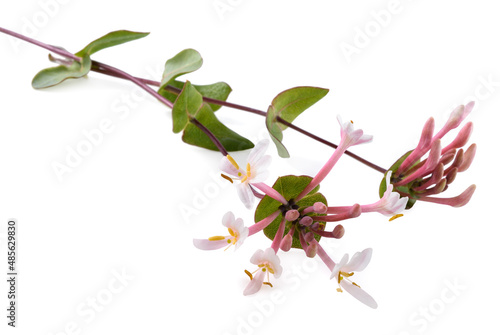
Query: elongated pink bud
point(311, 250)
point(450, 176)
point(458, 201)
point(430, 164)
point(436, 176)
point(292, 215)
point(320, 208)
point(448, 157)
point(468, 158)
point(338, 231)
point(461, 139)
point(306, 221)
point(422, 147)
point(459, 158)
point(286, 243)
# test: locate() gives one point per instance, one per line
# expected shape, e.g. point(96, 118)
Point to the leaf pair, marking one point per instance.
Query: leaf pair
point(189, 105)
point(74, 69)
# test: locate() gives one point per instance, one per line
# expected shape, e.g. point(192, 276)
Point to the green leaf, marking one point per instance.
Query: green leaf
point(186, 61)
point(187, 105)
point(218, 91)
point(288, 105)
point(405, 188)
point(109, 40)
point(290, 187)
point(229, 139)
point(55, 75)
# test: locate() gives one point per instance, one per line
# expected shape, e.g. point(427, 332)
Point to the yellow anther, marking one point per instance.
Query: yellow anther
point(216, 238)
point(339, 290)
point(271, 270)
point(261, 265)
point(395, 217)
point(249, 274)
point(226, 177)
point(244, 178)
point(345, 274)
point(267, 283)
point(232, 161)
point(356, 284)
point(352, 122)
point(340, 278)
point(249, 170)
point(231, 232)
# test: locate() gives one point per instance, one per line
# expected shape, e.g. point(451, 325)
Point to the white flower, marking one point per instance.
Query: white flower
point(237, 234)
point(344, 270)
point(255, 171)
point(390, 204)
point(267, 262)
point(351, 136)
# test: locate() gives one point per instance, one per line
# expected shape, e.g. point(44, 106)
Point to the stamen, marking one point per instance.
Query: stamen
point(339, 290)
point(226, 177)
point(356, 284)
point(232, 161)
point(271, 270)
point(339, 278)
point(244, 178)
point(249, 170)
point(216, 238)
point(231, 232)
point(395, 217)
point(267, 283)
point(249, 274)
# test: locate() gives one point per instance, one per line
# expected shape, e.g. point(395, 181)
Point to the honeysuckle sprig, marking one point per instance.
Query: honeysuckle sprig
point(420, 179)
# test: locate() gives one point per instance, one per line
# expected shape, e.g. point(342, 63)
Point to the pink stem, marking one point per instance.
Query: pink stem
point(279, 236)
point(268, 190)
point(323, 172)
point(256, 227)
point(324, 256)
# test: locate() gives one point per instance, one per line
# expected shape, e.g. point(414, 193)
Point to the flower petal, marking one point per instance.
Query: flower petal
point(359, 261)
point(271, 257)
point(245, 194)
point(205, 244)
point(226, 166)
point(255, 284)
point(228, 220)
point(358, 293)
point(257, 257)
point(257, 152)
point(339, 266)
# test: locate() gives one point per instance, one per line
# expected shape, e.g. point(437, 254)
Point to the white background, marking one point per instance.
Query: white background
point(118, 210)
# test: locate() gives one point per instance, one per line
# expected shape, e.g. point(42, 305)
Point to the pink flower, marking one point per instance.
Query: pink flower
point(254, 172)
point(268, 263)
point(237, 234)
point(390, 204)
point(344, 270)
